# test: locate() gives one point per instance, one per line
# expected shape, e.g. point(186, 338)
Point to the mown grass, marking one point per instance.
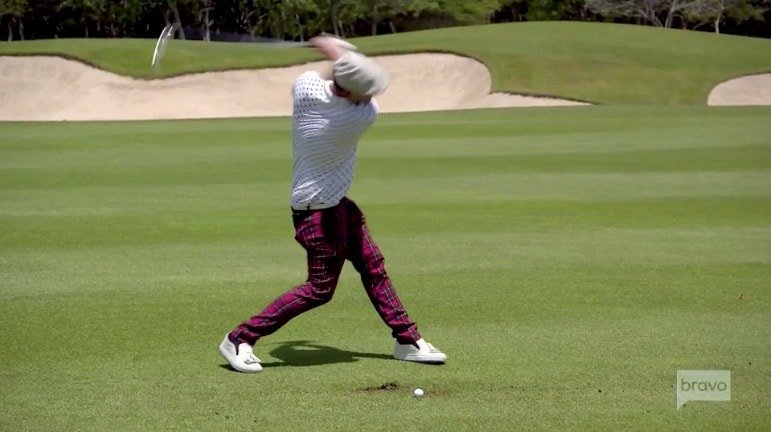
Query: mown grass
point(569, 261)
point(595, 62)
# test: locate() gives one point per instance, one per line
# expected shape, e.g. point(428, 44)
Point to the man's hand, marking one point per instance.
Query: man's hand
point(332, 47)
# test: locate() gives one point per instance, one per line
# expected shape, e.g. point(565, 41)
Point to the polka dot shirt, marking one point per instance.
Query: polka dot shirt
point(325, 132)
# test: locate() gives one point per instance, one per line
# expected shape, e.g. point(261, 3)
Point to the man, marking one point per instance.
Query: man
point(329, 117)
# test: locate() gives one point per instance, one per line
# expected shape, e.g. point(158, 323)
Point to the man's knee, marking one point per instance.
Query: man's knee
point(321, 292)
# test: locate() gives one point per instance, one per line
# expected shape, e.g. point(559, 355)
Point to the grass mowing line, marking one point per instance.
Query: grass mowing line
point(601, 63)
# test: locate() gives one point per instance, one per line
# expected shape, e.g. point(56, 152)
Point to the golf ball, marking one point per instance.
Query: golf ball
point(418, 393)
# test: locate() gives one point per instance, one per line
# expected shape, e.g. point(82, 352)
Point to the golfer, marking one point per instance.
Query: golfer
point(329, 117)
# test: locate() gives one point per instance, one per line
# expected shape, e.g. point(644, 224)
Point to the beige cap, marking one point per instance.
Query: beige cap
point(359, 74)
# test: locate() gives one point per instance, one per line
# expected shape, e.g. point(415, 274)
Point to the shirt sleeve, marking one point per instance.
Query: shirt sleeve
point(309, 86)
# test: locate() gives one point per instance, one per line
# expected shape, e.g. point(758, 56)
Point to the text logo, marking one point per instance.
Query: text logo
point(703, 385)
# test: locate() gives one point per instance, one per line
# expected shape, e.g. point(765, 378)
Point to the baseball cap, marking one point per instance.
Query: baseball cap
point(359, 74)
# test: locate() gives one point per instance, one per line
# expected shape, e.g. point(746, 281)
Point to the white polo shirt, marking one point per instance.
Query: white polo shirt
point(325, 132)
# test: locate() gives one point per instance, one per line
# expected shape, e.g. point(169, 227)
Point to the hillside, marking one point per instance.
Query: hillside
point(599, 63)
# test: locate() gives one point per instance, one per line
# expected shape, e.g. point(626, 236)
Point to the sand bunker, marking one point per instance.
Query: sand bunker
point(746, 90)
point(53, 88)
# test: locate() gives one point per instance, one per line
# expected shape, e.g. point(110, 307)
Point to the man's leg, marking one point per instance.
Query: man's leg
point(369, 262)
point(319, 232)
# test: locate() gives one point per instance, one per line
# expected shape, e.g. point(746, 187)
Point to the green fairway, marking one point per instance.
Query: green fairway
point(569, 261)
point(594, 62)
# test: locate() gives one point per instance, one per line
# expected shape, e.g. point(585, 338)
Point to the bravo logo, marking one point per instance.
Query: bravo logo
point(703, 385)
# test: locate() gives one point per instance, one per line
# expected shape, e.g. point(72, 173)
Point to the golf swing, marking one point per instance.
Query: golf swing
point(329, 117)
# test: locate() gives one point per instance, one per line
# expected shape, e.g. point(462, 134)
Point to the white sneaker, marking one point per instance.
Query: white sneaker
point(241, 357)
point(423, 353)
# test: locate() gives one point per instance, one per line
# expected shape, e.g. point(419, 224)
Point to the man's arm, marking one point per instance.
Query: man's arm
point(333, 48)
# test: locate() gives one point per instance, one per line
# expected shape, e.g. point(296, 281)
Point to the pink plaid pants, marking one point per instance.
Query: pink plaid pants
point(330, 236)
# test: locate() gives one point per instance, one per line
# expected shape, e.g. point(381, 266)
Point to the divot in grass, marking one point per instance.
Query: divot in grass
point(387, 387)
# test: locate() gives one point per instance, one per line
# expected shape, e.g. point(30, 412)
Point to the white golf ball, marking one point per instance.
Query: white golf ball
point(418, 393)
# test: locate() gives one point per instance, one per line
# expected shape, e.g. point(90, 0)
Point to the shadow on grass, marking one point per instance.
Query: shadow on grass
point(304, 353)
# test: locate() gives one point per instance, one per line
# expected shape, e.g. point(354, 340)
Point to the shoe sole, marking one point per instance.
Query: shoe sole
point(417, 360)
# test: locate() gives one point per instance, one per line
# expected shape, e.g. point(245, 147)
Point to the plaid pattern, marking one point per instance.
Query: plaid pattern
point(331, 236)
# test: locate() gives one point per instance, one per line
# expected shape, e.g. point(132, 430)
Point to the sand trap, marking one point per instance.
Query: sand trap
point(746, 90)
point(53, 88)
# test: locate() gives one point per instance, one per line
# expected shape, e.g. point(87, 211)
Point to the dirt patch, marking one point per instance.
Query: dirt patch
point(387, 387)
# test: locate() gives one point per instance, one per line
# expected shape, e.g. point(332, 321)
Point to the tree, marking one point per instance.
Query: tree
point(302, 18)
point(541, 10)
point(714, 11)
point(292, 18)
point(174, 10)
point(342, 13)
point(643, 9)
point(548, 10)
point(204, 7)
point(377, 11)
point(676, 9)
point(14, 10)
point(661, 13)
point(470, 12)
